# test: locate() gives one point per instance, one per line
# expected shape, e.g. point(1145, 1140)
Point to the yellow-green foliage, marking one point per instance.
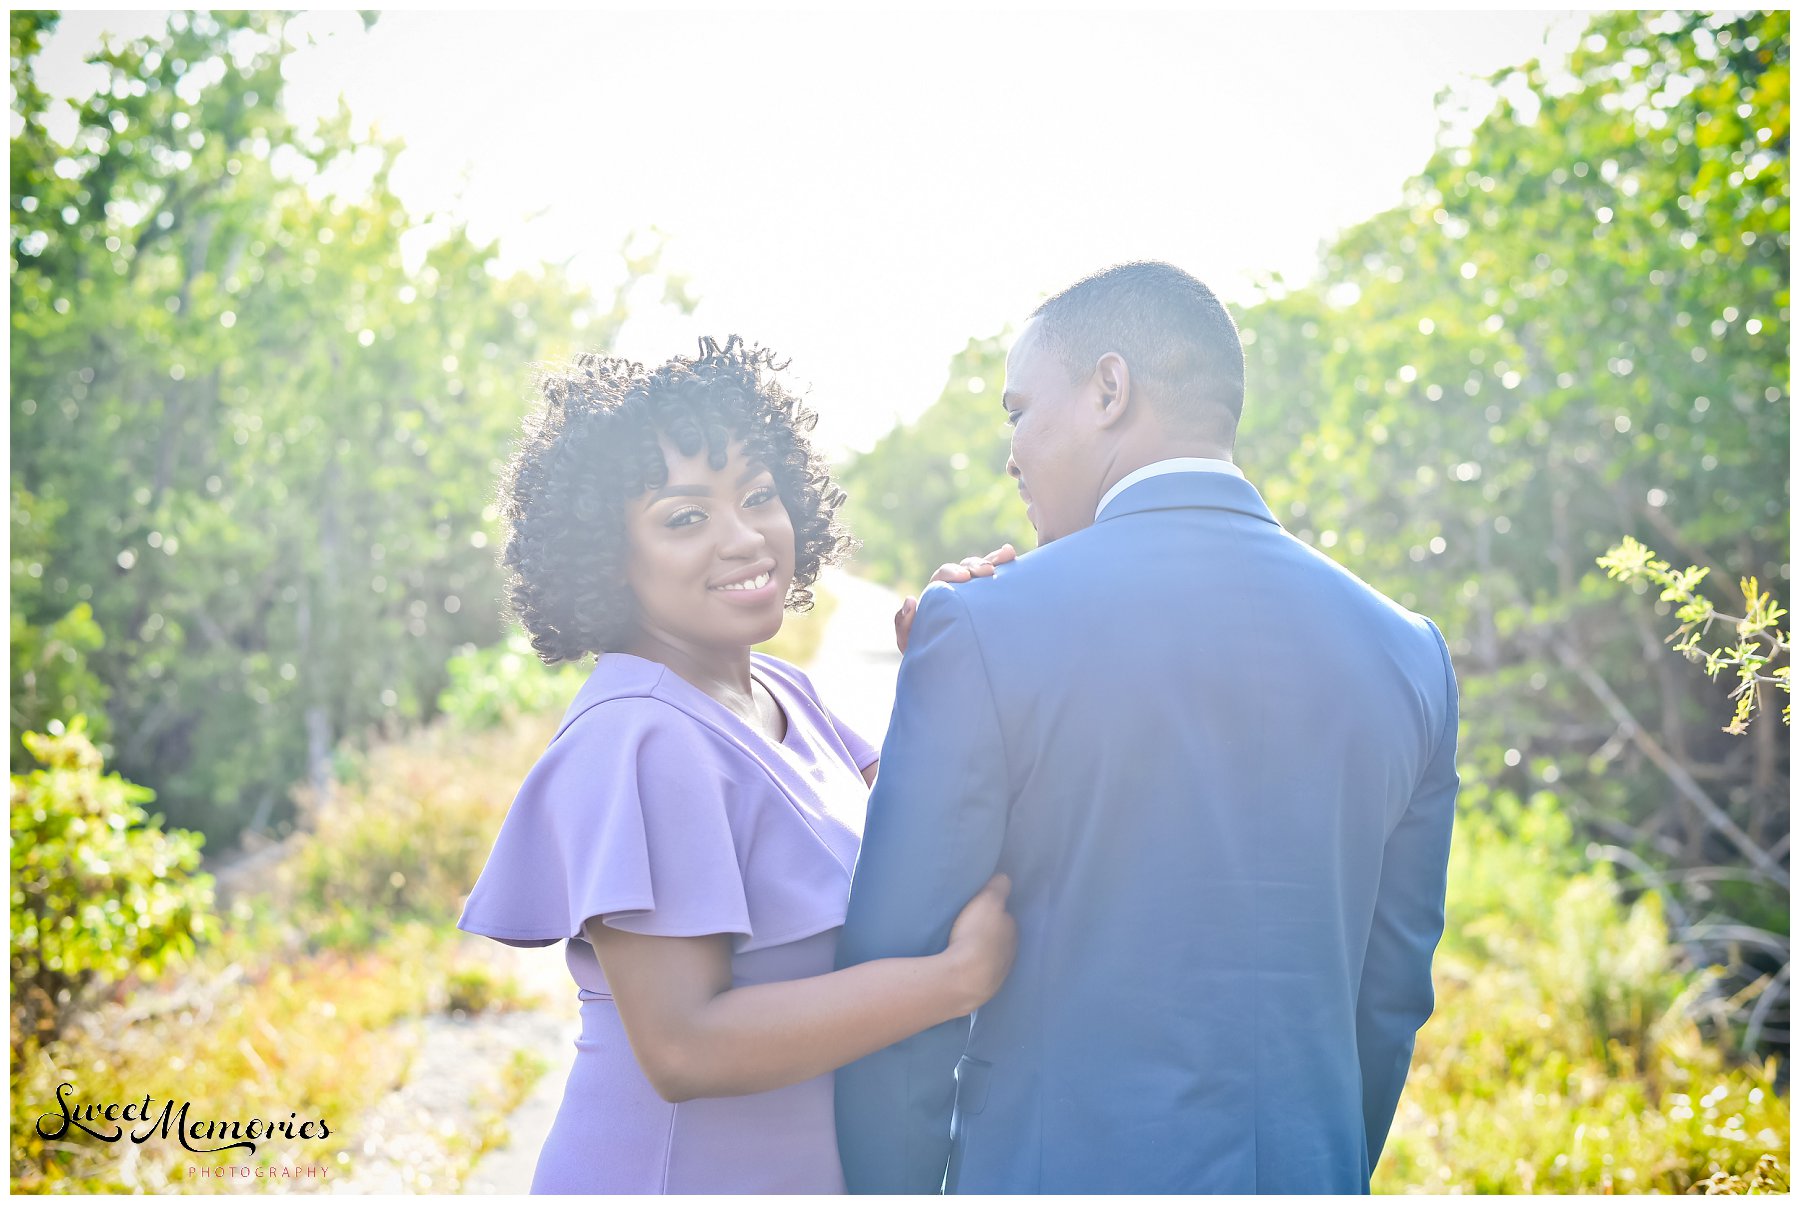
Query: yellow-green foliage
point(307, 1037)
point(477, 987)
point(1562, 1056)
point(288, 1009)
point(404, 838)
point(1760, 640)
point(520, 1075)
point(1767, 1176)
point(99, 891)
point(491, 685)
point(801, 632)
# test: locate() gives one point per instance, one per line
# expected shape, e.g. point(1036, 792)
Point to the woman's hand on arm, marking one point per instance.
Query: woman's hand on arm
point(958, 571)
point(695, 1035)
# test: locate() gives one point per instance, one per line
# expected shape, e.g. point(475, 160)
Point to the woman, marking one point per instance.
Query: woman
point(692, 826)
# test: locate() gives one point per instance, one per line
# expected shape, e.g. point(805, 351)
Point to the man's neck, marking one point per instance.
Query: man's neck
point(1129, 460)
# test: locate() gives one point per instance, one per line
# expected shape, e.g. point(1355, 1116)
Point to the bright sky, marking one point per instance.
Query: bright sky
point(865, 192)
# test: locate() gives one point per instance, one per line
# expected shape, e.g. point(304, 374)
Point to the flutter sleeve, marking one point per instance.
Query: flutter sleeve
point(624, 817)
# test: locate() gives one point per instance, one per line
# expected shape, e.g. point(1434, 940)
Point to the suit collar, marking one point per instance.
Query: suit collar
point(1176, 491)
point(1175, 464)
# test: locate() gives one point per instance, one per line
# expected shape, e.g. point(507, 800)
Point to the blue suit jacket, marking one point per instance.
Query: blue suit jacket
point(1220, 771)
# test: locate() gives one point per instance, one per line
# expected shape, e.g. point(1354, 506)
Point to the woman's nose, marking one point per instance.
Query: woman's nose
point(1012, 466)
point(741, 538)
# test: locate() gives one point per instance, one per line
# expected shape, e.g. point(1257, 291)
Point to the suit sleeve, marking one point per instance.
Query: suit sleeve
point(936, 819)
point(1395, 996)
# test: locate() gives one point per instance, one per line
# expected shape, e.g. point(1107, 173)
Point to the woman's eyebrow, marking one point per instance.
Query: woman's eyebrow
point(701, 491)
point(675, 491)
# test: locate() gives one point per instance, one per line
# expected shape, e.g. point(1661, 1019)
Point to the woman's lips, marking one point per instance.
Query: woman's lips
point(752, 592)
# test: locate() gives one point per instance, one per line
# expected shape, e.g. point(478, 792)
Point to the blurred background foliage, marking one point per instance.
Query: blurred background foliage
point(257, 420)
point(1575, 329)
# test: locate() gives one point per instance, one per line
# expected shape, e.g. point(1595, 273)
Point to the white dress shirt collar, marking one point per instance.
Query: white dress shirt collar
point(1180, 464)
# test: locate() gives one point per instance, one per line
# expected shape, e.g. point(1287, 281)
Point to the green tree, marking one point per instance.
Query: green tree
point(936, 489)
point(267, 416)
point(52, 682)
point(1574, 328)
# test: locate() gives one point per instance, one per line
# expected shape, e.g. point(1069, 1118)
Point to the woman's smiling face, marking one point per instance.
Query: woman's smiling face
point(711, 553)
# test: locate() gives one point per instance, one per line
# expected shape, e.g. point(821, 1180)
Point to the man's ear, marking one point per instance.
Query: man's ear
point(1112, 381)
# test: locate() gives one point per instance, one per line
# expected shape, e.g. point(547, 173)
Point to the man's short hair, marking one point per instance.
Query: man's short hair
point(1176, 337)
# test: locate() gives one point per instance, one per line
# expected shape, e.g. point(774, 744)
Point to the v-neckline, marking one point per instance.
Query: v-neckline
point(786, 740)
point(787, 723)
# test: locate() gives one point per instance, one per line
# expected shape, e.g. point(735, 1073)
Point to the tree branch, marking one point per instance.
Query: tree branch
point(1683, 781)
point(1671, 538)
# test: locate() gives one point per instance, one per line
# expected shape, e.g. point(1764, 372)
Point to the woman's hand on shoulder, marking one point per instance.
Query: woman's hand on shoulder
point(956, 571)
point(983, 941)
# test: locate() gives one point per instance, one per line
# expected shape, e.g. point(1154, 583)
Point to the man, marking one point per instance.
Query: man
point(1220, 772)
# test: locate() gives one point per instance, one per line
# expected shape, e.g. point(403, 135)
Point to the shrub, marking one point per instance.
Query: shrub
point(1563, 1056)
point(491, 685)
point(403, 838)
point(99, 892)
point(479, 987)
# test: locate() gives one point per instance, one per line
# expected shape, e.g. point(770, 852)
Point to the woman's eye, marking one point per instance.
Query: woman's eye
point(760, 496)
point(687, 516)
point(1012, 418)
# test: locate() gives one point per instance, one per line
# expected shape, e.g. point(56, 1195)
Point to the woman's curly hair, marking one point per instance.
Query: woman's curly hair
point(592, 445)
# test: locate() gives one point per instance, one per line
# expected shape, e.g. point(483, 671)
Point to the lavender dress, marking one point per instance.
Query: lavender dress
point(659, 810)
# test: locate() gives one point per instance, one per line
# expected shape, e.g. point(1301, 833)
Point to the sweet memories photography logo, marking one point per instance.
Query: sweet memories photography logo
point(113, 1121)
